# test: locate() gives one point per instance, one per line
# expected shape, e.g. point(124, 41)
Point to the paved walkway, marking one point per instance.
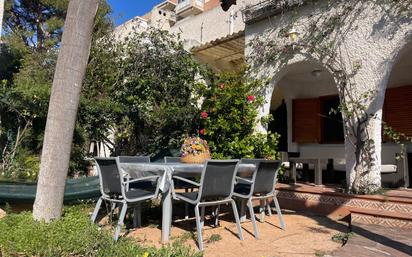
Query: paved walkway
point(377, 241)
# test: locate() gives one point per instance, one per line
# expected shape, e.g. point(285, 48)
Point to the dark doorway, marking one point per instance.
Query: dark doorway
point(331, 120)
point(280, 125)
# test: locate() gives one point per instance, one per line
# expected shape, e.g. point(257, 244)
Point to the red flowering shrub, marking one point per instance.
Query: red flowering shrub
point(232, 117)
point(203, 115)
point(250, 98)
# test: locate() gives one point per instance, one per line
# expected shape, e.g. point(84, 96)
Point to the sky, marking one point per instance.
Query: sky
point(124, 10)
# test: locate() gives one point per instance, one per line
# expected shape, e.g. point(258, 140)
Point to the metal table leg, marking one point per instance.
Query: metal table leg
point(166, 215)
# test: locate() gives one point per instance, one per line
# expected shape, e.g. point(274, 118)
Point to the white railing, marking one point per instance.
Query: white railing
point(187, 3)
point(183, 4)
point(200, 3)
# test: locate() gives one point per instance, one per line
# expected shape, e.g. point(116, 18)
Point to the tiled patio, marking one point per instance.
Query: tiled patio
point(305, 235)
point(377, 241)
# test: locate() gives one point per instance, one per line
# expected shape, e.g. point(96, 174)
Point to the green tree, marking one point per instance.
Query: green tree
point(35, 24)
point(153, 85)
point(27, 76)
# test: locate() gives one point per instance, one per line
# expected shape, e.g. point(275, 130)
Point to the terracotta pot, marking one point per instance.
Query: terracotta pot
point(199, 158)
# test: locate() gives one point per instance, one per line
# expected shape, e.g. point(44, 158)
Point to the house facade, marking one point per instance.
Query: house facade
point(371, 44)
point(305, 48)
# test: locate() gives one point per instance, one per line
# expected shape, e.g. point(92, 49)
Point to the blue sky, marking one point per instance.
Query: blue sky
point(124, 10)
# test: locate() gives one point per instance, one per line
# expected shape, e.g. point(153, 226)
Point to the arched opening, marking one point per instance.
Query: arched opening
point(303, 103)
point(397, 113)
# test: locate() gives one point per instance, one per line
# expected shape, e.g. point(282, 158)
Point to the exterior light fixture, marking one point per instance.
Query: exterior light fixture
point(226, 4)
point(293, 35)
point(316, 73)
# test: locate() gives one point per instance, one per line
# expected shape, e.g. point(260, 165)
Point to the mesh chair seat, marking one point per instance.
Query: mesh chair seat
point(242, 188)
point(178, 184)
point(142, 185)
point(139, 193)
point(189, 196)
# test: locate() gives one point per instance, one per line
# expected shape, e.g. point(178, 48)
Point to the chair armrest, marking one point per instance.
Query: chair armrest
point(140, 179)
point(247, 181)
point(186, 180)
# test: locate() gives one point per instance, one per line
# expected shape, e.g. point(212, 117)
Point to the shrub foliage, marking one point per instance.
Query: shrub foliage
point(73, 235)
point(230, 116)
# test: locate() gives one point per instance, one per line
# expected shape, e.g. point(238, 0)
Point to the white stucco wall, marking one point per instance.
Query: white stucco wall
point(212, 24)
point(374, 37)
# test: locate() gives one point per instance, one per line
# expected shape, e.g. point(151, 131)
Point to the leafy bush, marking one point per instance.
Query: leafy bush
point(230, 115)
point(144, 85)
point(72, 235)
point(21, 166)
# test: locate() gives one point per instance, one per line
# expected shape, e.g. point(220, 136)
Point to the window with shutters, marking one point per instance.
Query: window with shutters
point(397, 109)
point(313, 121)
point(305, 120)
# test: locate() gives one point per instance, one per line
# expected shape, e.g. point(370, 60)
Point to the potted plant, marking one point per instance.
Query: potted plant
point(194, 150)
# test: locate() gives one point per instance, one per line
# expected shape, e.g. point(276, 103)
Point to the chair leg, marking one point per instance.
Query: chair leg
point(112, 208)
point(279, 212)
point(217, 215)
point(252, 217)
point(137, 216)
point(262, 211)
point(268, 207)
point(242, 213)
point(120, 222)
point(235, 213)
point(198, 228)
point(96, 209)
point(202, 216)
point(171, 220)
point(186, 211)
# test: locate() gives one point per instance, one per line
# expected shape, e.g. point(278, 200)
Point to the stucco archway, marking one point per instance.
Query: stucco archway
point(397, 109)
point(305, 92)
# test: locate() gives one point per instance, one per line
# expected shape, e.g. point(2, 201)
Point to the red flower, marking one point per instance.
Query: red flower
point(250, 98)
point(202, 131)
point(222, 86)
point(204, 115)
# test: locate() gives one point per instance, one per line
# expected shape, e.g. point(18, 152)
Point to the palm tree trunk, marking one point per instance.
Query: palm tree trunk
point(1, 16)
point(63, 105)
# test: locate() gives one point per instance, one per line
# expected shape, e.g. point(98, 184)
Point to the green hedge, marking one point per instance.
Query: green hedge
point(73, 235)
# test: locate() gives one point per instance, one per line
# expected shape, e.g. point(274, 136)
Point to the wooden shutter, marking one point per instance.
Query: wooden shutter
point(306, 121)
point(397, 109)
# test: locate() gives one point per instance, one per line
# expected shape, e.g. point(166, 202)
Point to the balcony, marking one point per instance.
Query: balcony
point(185, 8)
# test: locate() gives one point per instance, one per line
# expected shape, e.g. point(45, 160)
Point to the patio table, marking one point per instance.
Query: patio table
point(167, 170)
point(315, 161)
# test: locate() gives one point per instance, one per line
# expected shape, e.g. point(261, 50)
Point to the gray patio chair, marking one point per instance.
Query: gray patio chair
point(134, 159)
point(215, 188)
point(243, 190)
point(263, 187)
point(114, 189)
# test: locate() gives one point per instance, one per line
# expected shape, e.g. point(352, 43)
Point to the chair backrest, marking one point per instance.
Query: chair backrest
point(109, 176)
point(134, 159)
point(171, 159)
point(217, 180)
point(266, 175)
